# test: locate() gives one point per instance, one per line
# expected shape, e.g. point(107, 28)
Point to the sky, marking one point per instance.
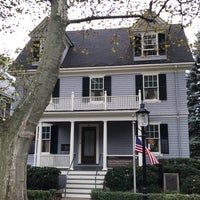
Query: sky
point(11, 41)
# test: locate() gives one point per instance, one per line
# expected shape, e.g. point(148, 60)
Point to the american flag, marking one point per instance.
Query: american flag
point(138, 148)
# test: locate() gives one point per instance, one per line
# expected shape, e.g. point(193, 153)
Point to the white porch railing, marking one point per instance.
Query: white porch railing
point(94, 103)
point(54, 160)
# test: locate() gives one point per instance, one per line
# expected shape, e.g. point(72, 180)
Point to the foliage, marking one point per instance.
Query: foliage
point(188, 170)
point(193, 93)
point(42, 178)
point(41, 194)
point(119, 179)
point(100, 195)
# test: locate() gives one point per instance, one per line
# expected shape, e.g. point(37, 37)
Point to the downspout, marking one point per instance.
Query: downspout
point(177, 110)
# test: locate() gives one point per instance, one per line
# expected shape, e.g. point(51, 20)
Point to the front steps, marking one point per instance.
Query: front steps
point(80, 183)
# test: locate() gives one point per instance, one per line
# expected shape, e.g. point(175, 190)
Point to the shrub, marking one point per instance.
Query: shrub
point(100, 195)
point(42, 178)
point(41, 195)
point(119, 179)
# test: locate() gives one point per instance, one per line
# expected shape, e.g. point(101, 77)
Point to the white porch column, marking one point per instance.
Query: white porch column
point(71, 146)
point(39, 144)
point(105, 145)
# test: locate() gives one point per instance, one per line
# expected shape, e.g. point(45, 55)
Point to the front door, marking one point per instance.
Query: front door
point(88, 145)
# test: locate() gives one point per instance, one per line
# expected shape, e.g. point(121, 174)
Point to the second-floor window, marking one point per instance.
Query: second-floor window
point(94, 87)
point(46, 138)
point(147, 45)
point(151, 87)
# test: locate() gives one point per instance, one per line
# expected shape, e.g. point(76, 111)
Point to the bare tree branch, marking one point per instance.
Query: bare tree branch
point(91, 18)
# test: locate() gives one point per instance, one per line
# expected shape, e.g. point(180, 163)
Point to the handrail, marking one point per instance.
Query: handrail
point(68, 172)
point(100, 155)
point(70, 164)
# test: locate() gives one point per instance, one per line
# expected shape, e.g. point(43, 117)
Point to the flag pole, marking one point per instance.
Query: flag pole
point(134, 166)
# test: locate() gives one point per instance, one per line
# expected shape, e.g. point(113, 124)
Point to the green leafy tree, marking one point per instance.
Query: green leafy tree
point(193, 92)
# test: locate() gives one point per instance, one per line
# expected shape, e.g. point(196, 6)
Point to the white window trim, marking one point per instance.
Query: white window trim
point(159, 143)
point(149, 57)
point(92, 98)
point(142, 43)
point(151, 100)
point(46, 125)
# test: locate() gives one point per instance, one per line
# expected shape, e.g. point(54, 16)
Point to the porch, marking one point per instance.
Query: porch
point(75, 103)
point(97, 145)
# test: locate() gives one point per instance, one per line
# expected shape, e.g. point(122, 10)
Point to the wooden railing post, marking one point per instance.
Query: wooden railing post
point(105, 100)
point(140, 97)
point(72, 101)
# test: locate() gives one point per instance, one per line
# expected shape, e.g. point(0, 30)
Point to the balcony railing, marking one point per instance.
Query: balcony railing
point(94, 103)
point(55, 160)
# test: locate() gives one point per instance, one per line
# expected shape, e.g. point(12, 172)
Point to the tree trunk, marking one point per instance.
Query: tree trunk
point(17, 132)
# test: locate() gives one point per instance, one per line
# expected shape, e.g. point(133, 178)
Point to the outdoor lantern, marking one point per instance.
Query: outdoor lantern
point(142, 116)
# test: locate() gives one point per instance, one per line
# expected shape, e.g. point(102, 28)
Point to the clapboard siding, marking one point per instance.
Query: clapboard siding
point(63, 136)
point(176, 97)
point(69, 85)
point(123, 84)
point(178, 136)
point(120, 138)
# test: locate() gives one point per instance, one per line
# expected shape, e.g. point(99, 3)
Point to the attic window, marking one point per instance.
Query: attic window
point(149, 46)
point(36, 51)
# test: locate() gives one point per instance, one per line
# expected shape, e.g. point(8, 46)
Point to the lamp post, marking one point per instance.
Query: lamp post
point(143, 120)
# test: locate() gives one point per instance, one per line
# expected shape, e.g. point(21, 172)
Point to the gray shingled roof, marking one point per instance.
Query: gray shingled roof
point(110, 47)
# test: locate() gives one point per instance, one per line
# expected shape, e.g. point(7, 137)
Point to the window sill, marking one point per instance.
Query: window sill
point(152, 101)
point(140, 58)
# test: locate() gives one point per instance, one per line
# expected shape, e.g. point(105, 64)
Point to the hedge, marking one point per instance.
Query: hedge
point(42, 178)
point(41, 194)
point(100, 195)
point(121, 178)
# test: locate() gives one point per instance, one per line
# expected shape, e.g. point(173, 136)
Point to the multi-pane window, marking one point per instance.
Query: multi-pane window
point(150, 44)
point(46, 138)
point(97, 87)
point(153, 138)
point(37, 49)
point(150, 87)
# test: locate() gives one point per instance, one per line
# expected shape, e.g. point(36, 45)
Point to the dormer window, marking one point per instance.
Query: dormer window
point(37, 49)
point(149, 46)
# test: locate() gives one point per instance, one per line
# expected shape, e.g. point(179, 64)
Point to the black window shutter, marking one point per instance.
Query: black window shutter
point(85, 86)
point(107, 85)
point(56, 91)
point(164, 141)
point(54, 139)
point(139, 84)
point(161, 43)
point(162, 87)
point(138, 44)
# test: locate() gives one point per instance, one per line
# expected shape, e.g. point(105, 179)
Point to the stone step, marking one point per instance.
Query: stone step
point(98, 181)
point(80, 183)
